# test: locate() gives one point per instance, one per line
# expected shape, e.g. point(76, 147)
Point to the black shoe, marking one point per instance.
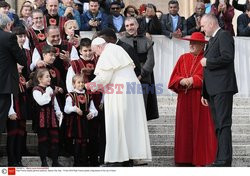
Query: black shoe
point(56, 164)
point(112, 165)
point(129, 163)
point(44, 163)
point(221, 164)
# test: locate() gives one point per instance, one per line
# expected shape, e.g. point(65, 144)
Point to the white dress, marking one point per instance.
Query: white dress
point(125, 117)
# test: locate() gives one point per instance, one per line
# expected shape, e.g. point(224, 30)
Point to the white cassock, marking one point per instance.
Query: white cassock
point(125, 117)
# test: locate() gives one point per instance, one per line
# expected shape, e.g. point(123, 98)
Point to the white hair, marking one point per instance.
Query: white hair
point(4, 21)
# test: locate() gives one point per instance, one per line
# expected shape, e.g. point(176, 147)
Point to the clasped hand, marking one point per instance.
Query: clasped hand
point(187, 82)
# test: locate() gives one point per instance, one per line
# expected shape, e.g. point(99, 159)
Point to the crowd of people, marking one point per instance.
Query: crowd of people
point(70, 87)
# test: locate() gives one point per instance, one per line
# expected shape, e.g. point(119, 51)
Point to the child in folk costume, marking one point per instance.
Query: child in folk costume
point(86, 65)
point(81, 109)
point(16, 123)
point(49, 117)
point(21, 34)
point(57, 84)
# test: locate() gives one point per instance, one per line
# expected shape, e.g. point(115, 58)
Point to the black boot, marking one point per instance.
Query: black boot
point(77, 162)
point(77, 154)
point(44, 162)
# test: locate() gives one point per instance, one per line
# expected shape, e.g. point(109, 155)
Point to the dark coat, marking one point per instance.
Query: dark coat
point(219, 74)
point(191, 25)
point(152, 27)
point(87, 16)
point(167, 25)
point(131, 52)
point(242, 25)
point(145, 53)
point(10, 55)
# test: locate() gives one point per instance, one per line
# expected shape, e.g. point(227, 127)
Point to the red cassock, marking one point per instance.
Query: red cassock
point(195, 140)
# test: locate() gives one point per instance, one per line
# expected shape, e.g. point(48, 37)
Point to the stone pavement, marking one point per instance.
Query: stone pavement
point(161, 133)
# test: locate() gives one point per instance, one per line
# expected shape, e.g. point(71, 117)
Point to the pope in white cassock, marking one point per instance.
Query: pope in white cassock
point(125, 117)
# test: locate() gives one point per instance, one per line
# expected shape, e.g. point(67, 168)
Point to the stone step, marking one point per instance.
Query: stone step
point(171, 110)
point(169, 128)
point(31, 139)
point(241, 134)
point(168, 150)
point(157, 161)
point(170, 119)
point(168, 161)
point(168, 139)
point(34, 161)
point(158, 150)
point(172, 100)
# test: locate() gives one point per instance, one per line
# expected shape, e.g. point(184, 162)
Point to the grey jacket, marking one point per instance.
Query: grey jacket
point(145, 52)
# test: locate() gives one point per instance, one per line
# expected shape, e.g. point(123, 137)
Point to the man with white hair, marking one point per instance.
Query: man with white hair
point(219, 84)
point(10, 55)
point(125, 118)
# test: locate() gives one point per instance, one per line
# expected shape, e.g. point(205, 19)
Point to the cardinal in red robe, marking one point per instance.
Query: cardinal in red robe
point(195, 140)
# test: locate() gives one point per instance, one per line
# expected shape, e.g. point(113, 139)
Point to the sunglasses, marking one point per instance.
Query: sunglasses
point(115, 8)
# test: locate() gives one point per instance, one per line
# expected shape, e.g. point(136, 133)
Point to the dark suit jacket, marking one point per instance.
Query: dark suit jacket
point(242, 25)
point(219, 74)
point(131, 52)
point(167, 26)
point(153, 27)
point(111, 25)
point(191, 25)
point(10, 55)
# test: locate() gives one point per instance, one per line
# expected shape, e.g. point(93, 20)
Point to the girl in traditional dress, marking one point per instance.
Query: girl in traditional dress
point(49, 117)
point(81, 109)
point(16, 123)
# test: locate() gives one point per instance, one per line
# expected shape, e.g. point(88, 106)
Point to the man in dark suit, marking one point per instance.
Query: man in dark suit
point(172, 24)
point(219, 84)
point(193, 22)
point(10, 55)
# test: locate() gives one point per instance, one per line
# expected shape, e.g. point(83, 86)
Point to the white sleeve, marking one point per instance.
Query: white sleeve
point(56, 106)
point(26, 44)
point(92, 109)
point(68, 108)
point(103, 78)
point(102, 100)
point(74, 54)
point(69, 77)
point(35, 58)
point(42, 99)
point(12, 111)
